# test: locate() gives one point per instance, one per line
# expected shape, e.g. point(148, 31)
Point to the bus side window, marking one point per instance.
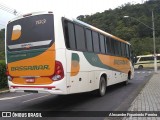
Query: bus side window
point(123, 49)
point(102, 43)
point(89, 40)
point(112, 46)
point(80, 38)
point(71, 43)
point(116, 49)
point(129, 48)
point(95, 41)
point(107, 45)
point(127, 51)
point(119, 48)
point(143, 59)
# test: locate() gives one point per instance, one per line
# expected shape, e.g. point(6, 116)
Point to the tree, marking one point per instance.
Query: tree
point(2, 34)
point(140, 36)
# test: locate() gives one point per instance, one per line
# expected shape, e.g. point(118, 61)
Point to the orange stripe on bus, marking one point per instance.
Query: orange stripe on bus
point(111, 61)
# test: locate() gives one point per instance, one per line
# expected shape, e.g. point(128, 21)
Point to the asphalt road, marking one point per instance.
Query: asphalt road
point(118, 98)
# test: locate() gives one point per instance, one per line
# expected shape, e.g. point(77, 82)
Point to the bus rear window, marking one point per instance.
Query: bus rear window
point(31, 32)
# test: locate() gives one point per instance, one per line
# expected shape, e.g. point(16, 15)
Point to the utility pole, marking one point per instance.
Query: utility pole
point(154, 44)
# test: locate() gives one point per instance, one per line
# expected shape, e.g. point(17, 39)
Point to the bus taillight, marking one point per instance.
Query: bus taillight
point(7, 71)
point(59, 72)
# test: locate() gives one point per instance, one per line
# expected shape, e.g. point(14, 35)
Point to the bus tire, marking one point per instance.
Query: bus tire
point(129, 77)
point(140, 67)
point(102, 87)
point(126, 82)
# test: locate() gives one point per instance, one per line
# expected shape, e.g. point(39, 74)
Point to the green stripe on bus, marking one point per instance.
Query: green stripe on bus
point(21, 55)
point(94, 60)
point(75, 56)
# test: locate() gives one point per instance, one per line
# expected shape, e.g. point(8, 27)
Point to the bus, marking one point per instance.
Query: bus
point(146, 61)
point(48, 53)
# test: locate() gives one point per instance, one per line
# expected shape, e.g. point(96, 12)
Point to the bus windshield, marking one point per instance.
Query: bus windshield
point(30, 33)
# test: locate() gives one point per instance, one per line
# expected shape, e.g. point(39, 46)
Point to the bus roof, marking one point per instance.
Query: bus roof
point(29, 14)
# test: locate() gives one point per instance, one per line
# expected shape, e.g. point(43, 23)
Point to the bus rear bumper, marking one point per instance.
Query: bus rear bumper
point(37, 89)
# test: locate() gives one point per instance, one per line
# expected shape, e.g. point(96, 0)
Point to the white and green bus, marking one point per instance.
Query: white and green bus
point(146, 61)
point(46, 53)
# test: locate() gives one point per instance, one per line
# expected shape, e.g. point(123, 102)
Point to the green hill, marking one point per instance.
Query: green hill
point(129, 29)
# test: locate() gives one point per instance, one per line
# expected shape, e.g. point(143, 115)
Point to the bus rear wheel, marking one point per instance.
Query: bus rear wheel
point(140, 67)
point(102, 87)
point(129, 77)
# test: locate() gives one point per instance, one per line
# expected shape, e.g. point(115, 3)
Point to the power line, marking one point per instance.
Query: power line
point(10, 10)
point(5, 8)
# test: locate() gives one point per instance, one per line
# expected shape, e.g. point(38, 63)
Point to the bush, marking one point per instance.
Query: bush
point(2, 55)
point(3, 77)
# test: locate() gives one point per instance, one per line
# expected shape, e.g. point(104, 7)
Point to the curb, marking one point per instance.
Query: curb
point(4, 91)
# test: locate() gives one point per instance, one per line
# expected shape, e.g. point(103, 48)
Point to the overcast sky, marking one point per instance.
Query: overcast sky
point(69, 8)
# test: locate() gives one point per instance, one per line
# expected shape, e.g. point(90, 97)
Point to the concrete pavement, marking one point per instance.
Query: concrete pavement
point(148, 99)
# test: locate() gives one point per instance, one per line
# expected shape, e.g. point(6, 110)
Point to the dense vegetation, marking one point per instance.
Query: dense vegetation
point(3, 77)
point(2, 44)
point(129, 29)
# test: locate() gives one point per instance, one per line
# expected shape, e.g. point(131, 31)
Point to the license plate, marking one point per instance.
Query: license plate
point(30, 80)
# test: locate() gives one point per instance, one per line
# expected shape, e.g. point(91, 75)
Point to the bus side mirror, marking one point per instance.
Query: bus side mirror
point(133, 58)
